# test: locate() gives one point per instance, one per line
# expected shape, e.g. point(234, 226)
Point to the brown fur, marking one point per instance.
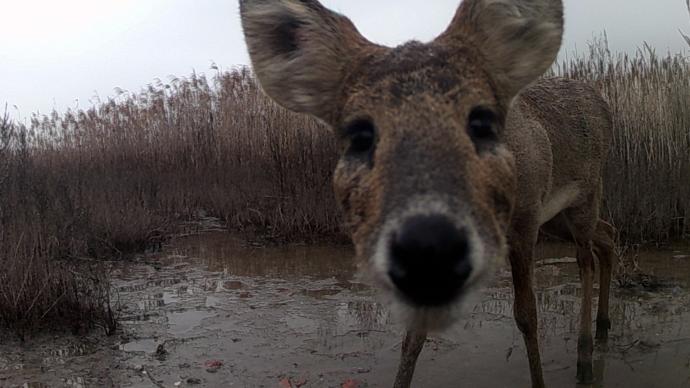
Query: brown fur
point(545, 167)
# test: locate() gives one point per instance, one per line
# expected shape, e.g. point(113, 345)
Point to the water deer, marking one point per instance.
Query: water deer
point(455, 154)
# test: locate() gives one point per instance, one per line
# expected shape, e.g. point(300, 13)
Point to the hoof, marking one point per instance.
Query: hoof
point(584, 373)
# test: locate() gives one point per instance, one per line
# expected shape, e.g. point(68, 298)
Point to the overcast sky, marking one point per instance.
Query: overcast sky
point(57, 54)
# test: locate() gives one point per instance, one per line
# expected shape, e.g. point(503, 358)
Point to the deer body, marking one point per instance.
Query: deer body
point(446, 167)
point(559, 131)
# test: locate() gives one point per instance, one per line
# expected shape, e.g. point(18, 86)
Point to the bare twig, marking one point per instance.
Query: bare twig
point(686, 37)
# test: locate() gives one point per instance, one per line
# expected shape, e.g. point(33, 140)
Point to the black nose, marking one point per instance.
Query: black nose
point(429, 260)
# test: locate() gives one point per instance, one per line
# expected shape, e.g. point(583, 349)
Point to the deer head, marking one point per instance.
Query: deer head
point(425, 180)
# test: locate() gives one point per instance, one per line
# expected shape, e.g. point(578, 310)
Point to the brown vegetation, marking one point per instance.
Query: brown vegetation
point(113, 179)
point(39, 231)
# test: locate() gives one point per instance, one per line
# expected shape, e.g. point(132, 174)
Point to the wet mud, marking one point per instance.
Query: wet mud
point(210, 311)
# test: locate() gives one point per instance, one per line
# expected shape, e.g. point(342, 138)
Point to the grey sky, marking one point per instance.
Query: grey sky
point(55, 53)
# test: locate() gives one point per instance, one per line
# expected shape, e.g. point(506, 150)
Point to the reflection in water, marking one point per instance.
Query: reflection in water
point(302, 312)
point(182, 322)
point(641, 318)
point(232, 256)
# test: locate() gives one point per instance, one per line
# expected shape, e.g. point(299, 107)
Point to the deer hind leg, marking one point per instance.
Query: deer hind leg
point(411, 347)
point(604, 249)
point(525, 306)
point(585, 345)
point(582, 222)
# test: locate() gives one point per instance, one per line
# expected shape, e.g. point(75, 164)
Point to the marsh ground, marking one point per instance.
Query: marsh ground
point(211, 311)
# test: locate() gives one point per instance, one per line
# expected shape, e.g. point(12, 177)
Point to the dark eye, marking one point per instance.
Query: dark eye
point(362, 136)
point(481, 126)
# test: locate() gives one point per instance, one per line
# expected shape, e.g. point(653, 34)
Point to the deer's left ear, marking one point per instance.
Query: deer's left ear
point(518, 40)
point(301, 52)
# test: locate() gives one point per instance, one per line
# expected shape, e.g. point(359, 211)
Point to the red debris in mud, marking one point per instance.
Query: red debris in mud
point(213, 364)
point(349, 383)
point(285, 383)
point(289, 383)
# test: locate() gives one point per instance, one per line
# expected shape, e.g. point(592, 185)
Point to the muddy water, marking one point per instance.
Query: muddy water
point(210, 311)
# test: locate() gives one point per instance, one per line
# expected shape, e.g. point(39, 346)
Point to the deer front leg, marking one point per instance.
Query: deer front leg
point(411, 347)
point(525, 306)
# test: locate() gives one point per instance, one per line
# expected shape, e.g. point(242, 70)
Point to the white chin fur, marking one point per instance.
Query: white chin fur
point(431, 319)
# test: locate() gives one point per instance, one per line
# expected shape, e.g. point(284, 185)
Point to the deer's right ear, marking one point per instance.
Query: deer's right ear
point(518, 40)
point(301, 52)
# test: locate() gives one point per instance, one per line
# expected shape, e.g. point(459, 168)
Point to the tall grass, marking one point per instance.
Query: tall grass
point(39, 286)
point(116, 178)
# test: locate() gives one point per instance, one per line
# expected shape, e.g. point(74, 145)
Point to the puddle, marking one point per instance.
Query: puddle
point(212, 311)
point(146, 345)
point(184, 322)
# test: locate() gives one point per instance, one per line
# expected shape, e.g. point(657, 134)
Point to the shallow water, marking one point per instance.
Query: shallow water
point(209, 311)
